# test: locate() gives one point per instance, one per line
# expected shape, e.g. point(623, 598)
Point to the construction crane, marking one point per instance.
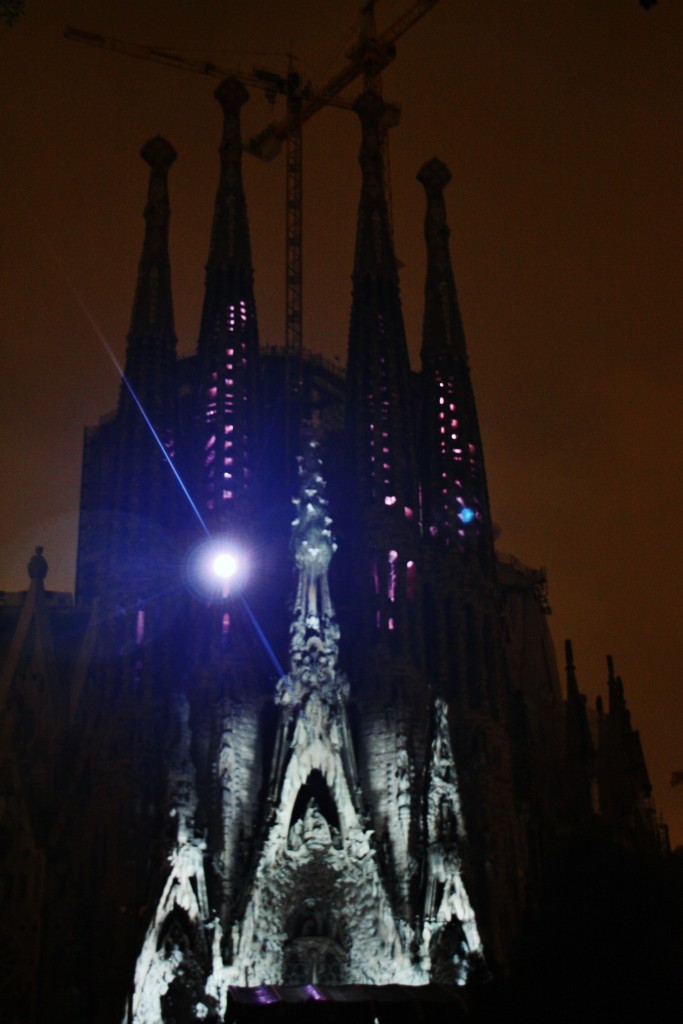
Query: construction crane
point(267, 145)
point(370, 55)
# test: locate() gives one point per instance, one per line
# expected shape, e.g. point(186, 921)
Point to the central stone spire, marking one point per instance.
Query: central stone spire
point(317, 885)
point(314, 643)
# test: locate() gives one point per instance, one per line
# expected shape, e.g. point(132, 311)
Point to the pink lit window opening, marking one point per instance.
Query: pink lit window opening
point(411, 577)
point(391, 575)
point(140, 626)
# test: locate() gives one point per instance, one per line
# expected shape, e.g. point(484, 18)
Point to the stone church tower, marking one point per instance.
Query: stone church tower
point(182, 816)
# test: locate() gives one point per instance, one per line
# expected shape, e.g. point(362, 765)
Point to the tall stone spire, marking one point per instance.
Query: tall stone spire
point(380, 419)
point(455, 498)
point(463, 639)
point(132, 507)
point(379, 411)
point(228, 339)
point(152, 316)
point(151, 351)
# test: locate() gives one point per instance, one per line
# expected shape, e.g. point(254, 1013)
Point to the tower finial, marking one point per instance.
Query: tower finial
point(37, 566)
point(159, 154)
point(232, 95)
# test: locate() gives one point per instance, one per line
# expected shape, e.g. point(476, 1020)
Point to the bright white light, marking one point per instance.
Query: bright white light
point(217, 567)
point(225, 565)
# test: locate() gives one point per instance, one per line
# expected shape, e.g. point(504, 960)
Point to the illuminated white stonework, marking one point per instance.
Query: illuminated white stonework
point(318, 910)
point(446, 900)
point(184, 905)
point(318, 907)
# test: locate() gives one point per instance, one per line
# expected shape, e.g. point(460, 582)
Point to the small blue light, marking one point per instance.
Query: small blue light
point(466, 515)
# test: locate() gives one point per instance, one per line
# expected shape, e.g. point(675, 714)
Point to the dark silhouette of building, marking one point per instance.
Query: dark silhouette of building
point(180, 814)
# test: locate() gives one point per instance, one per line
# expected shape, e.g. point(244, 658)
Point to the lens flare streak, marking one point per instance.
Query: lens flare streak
point(131, 391)
point(262, 637)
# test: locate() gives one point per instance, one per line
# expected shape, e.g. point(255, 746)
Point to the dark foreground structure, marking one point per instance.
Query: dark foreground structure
point(186, 827)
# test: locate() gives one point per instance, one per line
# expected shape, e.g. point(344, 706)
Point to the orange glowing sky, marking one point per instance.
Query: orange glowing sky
point(561, 122)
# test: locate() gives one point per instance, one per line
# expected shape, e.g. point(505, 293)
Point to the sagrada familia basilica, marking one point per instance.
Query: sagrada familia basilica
point(273, 745)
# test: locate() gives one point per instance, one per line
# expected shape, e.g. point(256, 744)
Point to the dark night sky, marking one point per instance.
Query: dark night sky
point(561, 122)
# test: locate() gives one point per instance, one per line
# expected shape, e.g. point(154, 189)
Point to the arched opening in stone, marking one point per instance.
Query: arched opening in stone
point(314, 951)
point(316, 789)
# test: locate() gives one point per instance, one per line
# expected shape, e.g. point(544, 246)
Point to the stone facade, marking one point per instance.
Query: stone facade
point(178, 813)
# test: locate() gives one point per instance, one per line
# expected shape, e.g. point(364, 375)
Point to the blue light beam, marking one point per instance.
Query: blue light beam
point(131, 391)
point(263, 638)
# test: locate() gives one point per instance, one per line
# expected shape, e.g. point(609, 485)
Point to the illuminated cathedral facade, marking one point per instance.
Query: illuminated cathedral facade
point(302, 724)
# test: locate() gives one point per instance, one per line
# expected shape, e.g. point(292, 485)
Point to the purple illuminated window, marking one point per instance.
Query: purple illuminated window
point(391, 575)
point(411, 578)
